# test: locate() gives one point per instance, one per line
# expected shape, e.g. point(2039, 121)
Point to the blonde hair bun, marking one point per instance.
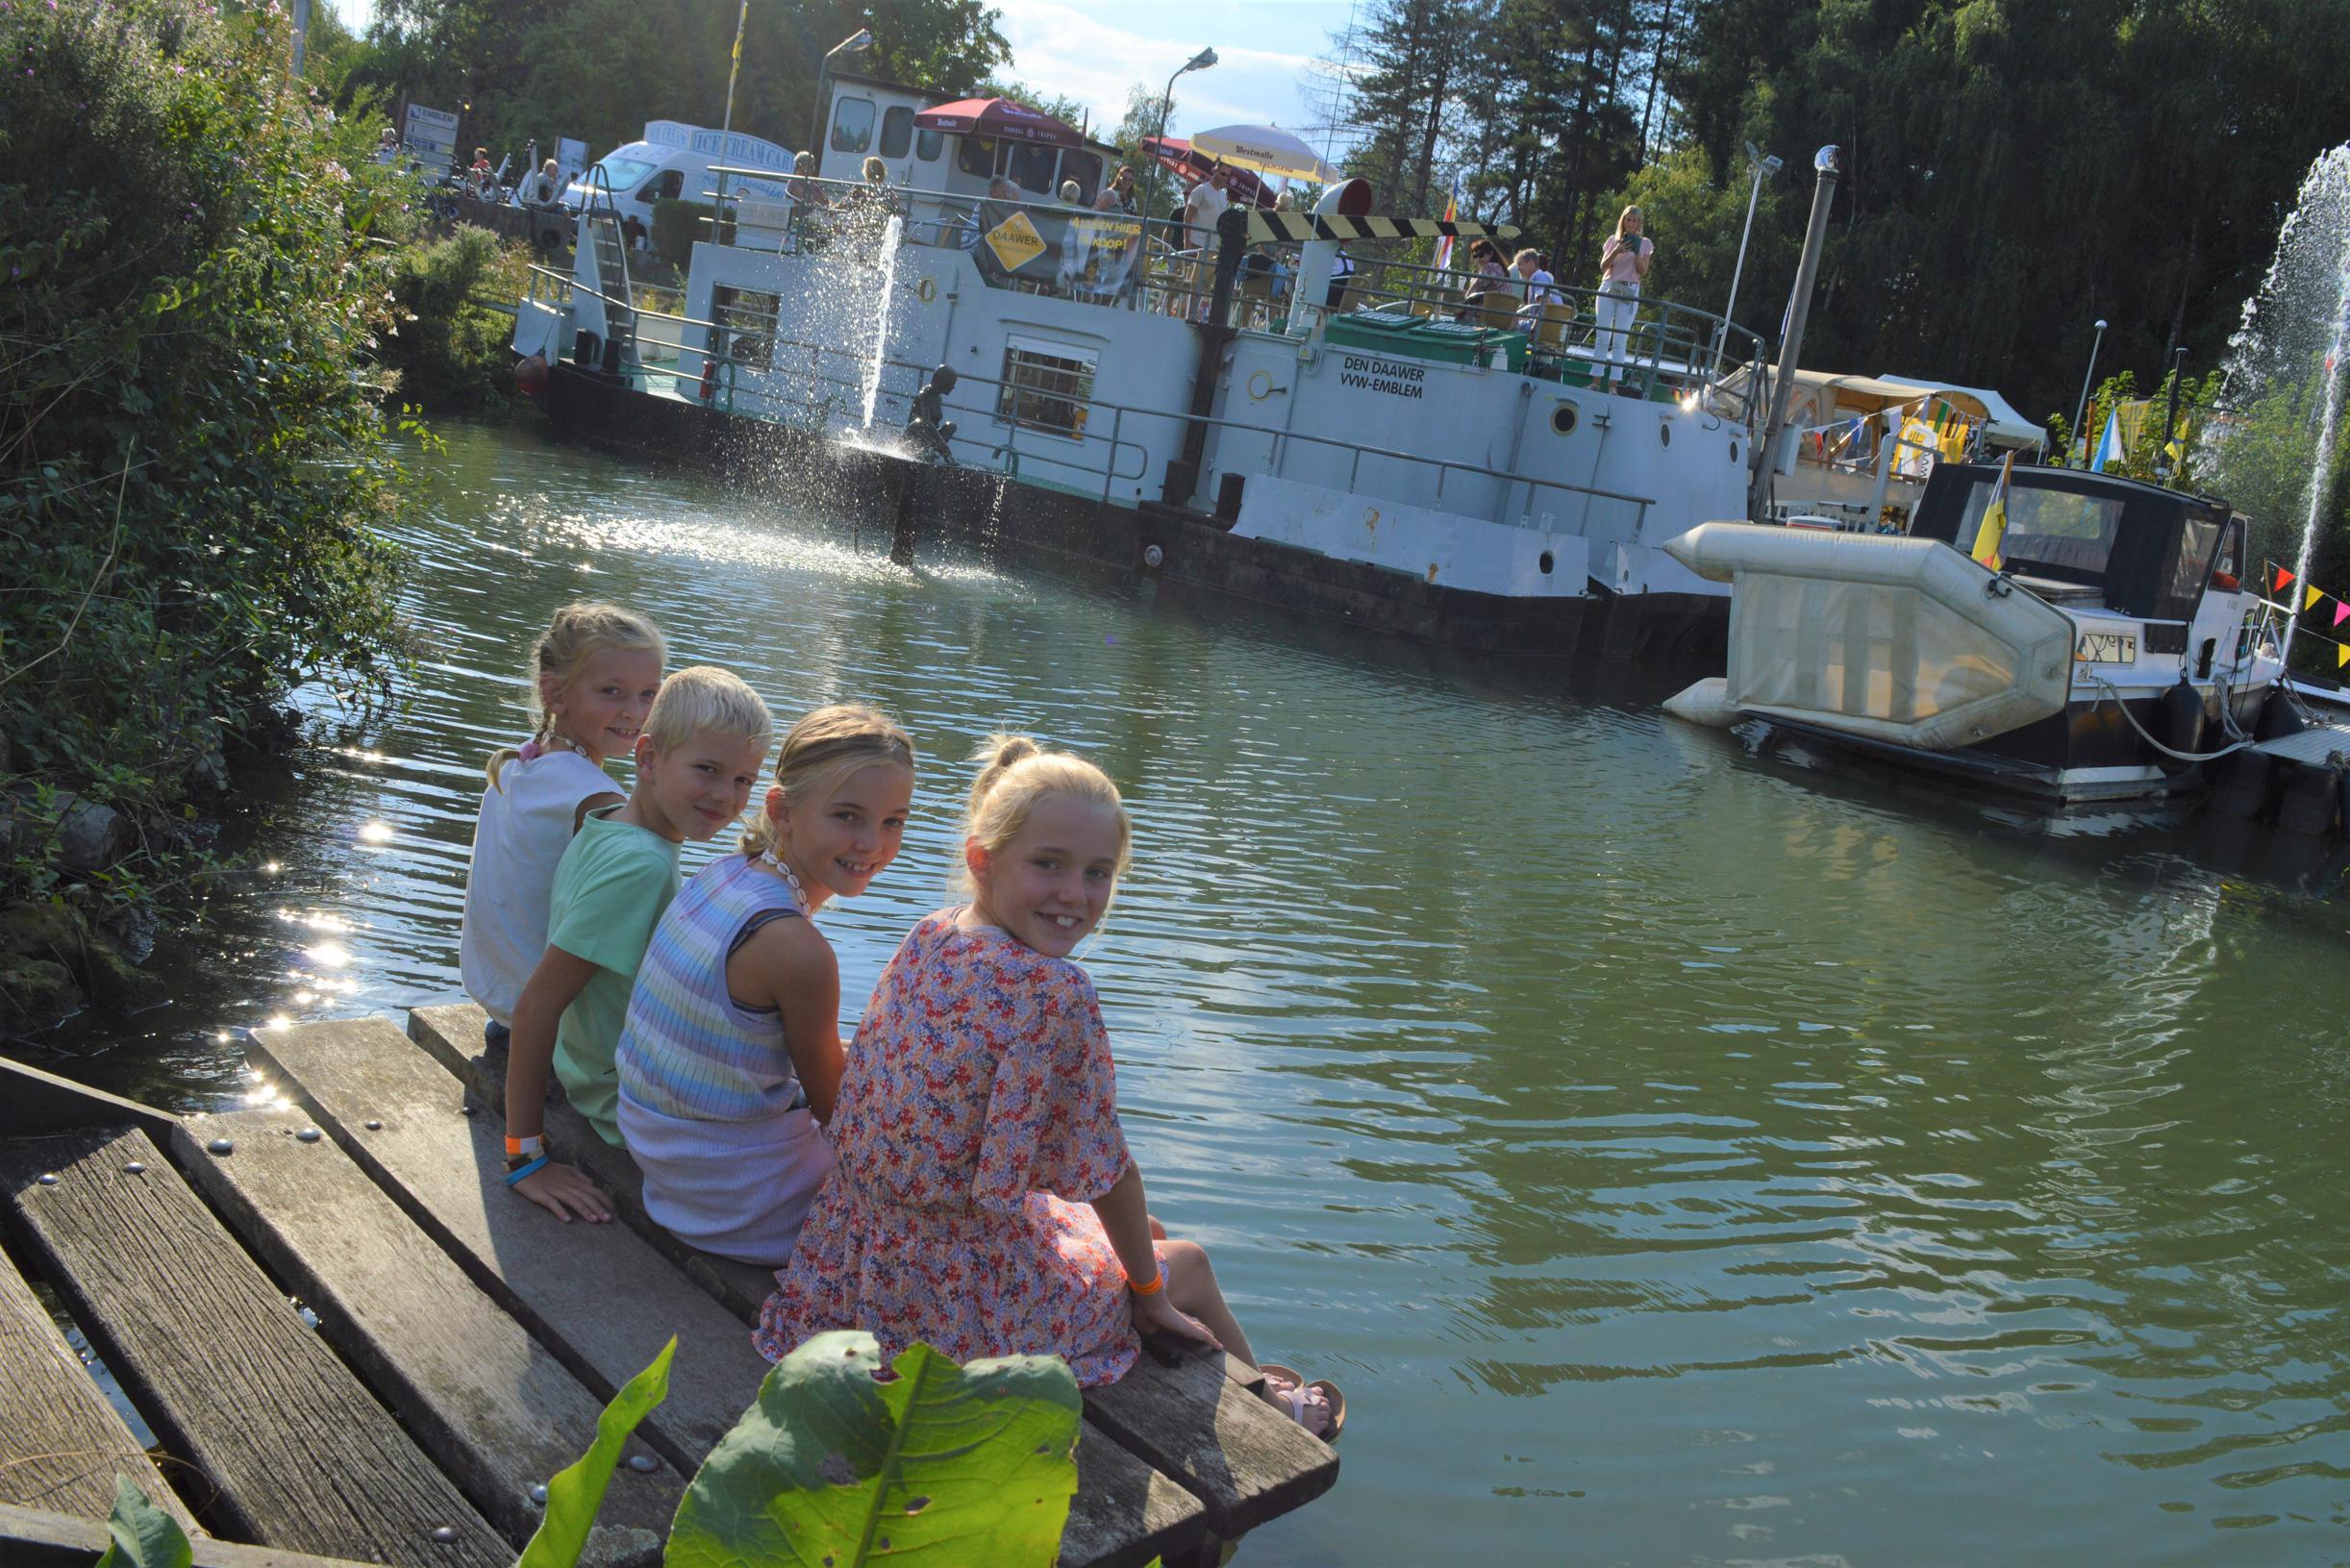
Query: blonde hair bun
point(1015, 774)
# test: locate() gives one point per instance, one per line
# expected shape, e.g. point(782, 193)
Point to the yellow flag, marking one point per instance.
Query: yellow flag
point(2342, 655)
point(1994, 524)
point(2310, 597)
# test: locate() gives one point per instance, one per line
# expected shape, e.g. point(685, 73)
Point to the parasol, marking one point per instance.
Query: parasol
point(1002, 119)
point(1267, 149)
point(1186, 164)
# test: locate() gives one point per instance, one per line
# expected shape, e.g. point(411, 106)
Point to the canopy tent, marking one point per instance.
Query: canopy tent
point(1265, 149)
point(2007, 427)
point(1187, 164)
point(1002, 119)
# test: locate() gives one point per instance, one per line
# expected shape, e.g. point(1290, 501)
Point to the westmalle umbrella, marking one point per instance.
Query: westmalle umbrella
point(1267, 149)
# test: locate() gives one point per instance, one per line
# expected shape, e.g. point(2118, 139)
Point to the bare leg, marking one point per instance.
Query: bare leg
point(1159, 1232)
point(1193, 1288)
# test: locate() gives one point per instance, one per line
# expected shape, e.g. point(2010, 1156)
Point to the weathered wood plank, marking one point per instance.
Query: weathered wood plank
point(1124, 1512)
point(222, 1366)
point(32, 1538)
point(1188, 1415)
point(598, 1295)
point(453, 1035)
point(496, 1411)
point(33, 1103)
point(61, 1442)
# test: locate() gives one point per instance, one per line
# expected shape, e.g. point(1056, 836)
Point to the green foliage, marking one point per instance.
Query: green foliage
point(451, 350)
point(976, 1464)
point(577, 1490)
point(191, 470)
point(141, 1535)
point(598, 70)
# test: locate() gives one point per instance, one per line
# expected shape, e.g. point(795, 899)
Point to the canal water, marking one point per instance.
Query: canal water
point(1680, 1153)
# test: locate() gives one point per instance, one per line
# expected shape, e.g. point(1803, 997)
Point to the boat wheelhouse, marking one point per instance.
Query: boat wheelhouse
point(2114, 649)
point(1341, 436)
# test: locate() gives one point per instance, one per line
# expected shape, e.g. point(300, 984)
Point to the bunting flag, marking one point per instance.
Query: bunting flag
point(2310, 597)
point(2342, 655)
point(2341, 612)
point(1994, 524)
point(2283, 577)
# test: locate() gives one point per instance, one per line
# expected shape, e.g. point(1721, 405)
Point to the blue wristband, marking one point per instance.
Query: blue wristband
point(512, 1177)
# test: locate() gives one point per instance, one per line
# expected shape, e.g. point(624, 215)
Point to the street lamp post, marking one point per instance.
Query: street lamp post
point(854, 44)
point(2087, 376)
point(1166, 105)
point(1764, 166)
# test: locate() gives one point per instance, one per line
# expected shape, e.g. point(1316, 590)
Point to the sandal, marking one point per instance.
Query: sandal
point(1294, 1402)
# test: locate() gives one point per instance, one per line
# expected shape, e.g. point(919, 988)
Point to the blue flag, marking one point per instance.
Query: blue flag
point(2109, 445)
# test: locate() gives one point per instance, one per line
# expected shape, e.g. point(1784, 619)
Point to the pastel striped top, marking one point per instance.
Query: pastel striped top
point(688, 1049)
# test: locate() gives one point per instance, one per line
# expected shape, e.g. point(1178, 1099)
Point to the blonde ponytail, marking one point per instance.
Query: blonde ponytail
point(1015, 773)
point(822, 750)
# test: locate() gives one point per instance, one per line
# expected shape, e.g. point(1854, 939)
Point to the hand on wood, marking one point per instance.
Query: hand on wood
point(563, 1191)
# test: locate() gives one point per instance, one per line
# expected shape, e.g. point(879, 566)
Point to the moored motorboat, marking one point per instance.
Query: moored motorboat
point(2109, 650)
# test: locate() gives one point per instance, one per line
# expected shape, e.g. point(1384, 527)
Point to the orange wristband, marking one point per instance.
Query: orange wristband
point(515, 1147)
point(1155, 1286)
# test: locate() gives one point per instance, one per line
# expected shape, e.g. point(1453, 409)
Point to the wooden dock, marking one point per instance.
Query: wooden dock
point(353, 1344)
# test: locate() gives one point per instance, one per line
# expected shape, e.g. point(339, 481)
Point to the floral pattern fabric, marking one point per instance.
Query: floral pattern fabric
point(977, 1120)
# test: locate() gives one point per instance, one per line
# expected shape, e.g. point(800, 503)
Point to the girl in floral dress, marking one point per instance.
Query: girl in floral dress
point(983, 1199)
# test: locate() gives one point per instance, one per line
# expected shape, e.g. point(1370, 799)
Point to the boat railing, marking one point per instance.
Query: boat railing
point(826, 390)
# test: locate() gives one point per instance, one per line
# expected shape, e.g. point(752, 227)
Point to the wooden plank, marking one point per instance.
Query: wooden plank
point(496, 1411)
point(62, 1444)
point(1124, 1512)
point(222, 1366)
point(34, 1103)
point(1189, 1416)
point(453, 1035)
point(32, 1538)
point(598, 1295)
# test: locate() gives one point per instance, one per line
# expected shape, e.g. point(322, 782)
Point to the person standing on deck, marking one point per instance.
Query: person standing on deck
point(1623, 261)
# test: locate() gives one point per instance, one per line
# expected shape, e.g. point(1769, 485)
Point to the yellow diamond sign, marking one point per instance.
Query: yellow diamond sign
point(1016, 241)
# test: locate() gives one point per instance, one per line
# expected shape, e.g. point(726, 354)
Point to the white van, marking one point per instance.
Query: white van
point(672, 163)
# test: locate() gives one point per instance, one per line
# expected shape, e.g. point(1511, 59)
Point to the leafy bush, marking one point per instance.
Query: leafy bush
point(451, 351)
point(193, 467)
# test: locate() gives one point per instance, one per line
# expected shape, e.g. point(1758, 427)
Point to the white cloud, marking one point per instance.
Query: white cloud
point(1080, 51)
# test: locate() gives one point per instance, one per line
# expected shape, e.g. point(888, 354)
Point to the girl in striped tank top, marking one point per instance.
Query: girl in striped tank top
point(731, 1055)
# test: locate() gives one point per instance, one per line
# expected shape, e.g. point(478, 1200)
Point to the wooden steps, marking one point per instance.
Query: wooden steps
point(481, 1333)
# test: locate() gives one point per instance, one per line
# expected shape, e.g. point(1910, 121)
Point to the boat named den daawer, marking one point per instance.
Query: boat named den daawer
point(1386, 449)
point(2108, 651)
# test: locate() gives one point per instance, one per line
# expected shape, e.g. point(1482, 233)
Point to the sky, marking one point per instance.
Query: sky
point(1092, 50)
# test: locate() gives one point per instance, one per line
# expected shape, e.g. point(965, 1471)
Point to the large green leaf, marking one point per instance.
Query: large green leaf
point(577, 1490)
point(943, 1464)
point(141, 1534)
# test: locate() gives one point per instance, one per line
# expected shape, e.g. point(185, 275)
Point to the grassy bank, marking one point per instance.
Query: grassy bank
point(193, 462)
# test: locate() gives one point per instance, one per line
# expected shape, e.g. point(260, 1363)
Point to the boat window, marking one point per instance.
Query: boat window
point(1046, 386)
point(2198, 538)
point(1031, 167)
point(928, 144)
point(745, 320)
point(2068, 534)
point(852, 125)
point(975, 155)
point(897, 131)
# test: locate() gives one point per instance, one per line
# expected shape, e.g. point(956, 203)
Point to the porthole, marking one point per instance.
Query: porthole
point(1545, 564)
point(1665, 431)
point(1734, 454)
point(1562, 418)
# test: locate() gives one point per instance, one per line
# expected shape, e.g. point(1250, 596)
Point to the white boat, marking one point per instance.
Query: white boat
point(2115, 652)
point(1354, 451)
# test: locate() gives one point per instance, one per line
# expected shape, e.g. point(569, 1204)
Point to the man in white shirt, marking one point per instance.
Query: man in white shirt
point(1202, 208)
point(1540, 287)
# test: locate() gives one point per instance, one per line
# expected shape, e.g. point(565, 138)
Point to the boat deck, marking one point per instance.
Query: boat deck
point(351, 1344)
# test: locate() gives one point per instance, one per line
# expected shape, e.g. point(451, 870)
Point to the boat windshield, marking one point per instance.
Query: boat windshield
point(2062, 530)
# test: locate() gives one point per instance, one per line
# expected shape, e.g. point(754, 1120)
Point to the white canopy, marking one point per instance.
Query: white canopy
point(2007, 427)
point(1267, 149)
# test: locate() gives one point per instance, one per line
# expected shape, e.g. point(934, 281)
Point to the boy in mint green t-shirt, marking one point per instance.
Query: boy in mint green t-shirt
point(698, 761)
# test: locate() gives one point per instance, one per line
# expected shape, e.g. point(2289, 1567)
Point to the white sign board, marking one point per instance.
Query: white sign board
point(570, 157)
point(432, 136)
